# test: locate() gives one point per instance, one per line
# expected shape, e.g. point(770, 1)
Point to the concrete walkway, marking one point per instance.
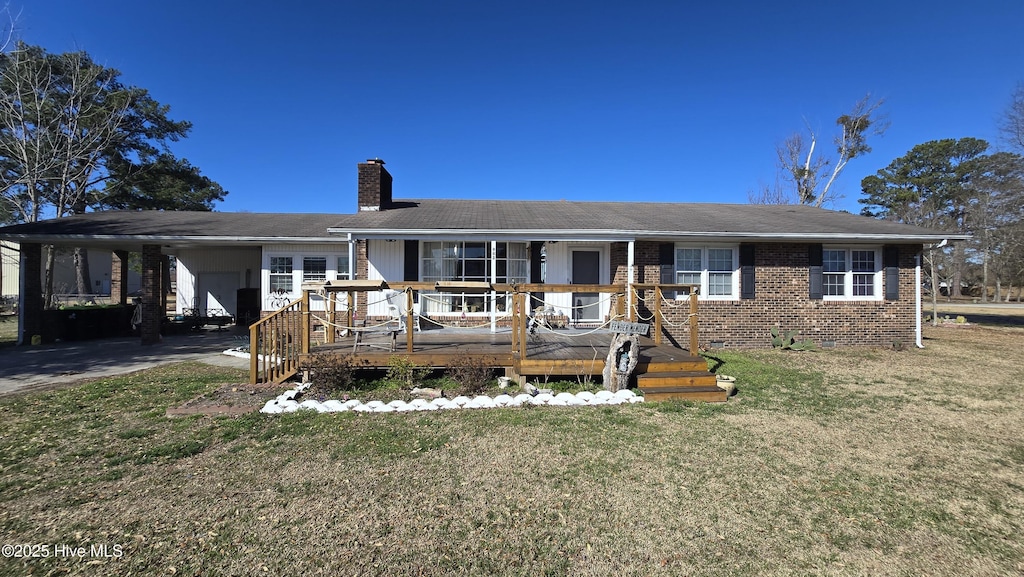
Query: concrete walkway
point(35, 367)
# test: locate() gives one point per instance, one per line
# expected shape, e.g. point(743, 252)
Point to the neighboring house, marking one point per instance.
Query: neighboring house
point(839, 279)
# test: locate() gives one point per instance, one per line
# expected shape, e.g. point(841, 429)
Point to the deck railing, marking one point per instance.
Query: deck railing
point(277, 341)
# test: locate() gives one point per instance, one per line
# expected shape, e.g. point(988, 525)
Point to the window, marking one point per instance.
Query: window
point(714, 269)
point(472, 261)
point(281, 274)
point(314, 268)
point(343, 272)
point(851, 274)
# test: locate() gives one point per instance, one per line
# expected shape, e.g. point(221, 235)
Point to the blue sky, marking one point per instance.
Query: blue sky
point(663, 101)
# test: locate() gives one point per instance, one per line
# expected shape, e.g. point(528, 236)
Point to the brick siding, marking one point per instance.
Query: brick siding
point(782, 300)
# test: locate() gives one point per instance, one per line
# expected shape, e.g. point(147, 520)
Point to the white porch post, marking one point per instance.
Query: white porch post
point(630, 256)
point(494, 280)
point(917, 300)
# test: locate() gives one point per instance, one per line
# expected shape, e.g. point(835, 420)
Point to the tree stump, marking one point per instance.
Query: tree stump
point(623, 355)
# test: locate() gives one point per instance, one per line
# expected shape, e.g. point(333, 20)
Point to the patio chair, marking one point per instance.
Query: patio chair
point(396, 309)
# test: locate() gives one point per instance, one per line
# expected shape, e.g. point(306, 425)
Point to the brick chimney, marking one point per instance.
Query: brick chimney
point(374, 186)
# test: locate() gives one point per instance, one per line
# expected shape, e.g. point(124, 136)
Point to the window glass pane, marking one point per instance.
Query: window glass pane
point(342, 270)
point(720, 259)
point(863, 285)
point(280, 264)
point(688, 278)
point(834, 261)
point(518, 250)
point(863, 260)
point(475, 269)
point(719, 284)
point(314, 268)
point(688, 259)
point(475, 250)
point(832, 284)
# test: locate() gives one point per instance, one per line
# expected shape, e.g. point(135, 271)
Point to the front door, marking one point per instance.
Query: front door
point(586, 269)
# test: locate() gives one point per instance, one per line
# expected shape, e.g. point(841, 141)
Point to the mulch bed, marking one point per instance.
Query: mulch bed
point(229, 400)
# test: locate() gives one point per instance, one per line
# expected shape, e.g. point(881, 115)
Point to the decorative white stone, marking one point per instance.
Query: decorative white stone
point(428, 407)
point(271, 408)
point(604, 394)
point(585, 396)
point(375, 404)
point(615, 401)
point(450, 406)
point(556, 402)
point(502, 400)
point(597, 401)
point(363, 408)
point(481, 402)
point(405, 408)
point(625, 394)
point(384, 409)
point(544, 398)
point(460, 400)
point(352, 403)
point(439, 402)
point(519, 399)
point(303, 387)
point(418, 403)
point(636, 399)
point(289, 406)
point(334, 406)
point(312, 405)
point(396, 403)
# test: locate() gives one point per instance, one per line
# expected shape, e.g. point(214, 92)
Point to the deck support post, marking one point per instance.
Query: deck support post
point(523, 314)
point(657, 315)
point(408, 321)
point(332, 309)
point(349, 312)
point(306, 320)
point(694, 340)
point(254, 352)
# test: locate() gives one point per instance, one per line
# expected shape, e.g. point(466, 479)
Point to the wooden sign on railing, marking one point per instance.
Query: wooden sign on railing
point(628, 328)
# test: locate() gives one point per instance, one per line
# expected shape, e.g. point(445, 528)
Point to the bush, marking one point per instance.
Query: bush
point(404, 373)
point(331, 372)
point(471, 373)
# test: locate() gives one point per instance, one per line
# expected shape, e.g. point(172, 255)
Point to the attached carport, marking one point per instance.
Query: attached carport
point(155, 235)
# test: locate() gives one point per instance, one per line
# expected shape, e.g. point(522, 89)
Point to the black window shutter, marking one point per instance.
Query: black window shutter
point(747, 271)
point(815, 258)
point(412, 261)
point(891, 262)
point(667, 267)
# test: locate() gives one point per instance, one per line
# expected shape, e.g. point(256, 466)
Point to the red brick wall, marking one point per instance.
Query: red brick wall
point(782, 300)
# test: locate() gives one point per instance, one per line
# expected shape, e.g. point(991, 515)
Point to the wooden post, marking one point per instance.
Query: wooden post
point(694, 344)
point(524, 302)
point(305, 319)
point(657, 315)
point(254, 353)
point(620, 302)
point(348, 315)
point(408, 320)
point(515, 323)
point(332, 309)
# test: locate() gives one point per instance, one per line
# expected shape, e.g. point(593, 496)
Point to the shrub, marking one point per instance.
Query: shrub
point(471, 373)
point(404, 373)
point(331, 372)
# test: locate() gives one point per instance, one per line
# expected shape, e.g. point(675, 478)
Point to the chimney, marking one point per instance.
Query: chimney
point(374, 186)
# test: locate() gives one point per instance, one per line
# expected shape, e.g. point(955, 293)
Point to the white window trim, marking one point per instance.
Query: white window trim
point(297, 257)
point(877, 275)
point(492, 260)
point(704, 294)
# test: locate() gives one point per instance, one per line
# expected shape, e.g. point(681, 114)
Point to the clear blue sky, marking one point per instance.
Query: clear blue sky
point(588, 100)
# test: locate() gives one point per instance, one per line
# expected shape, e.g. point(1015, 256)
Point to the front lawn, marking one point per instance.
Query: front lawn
point(840, 462)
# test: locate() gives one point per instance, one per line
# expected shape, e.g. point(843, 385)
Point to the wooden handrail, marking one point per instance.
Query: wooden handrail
point(277, 340)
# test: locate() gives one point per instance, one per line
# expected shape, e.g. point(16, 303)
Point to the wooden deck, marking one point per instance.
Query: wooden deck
point(673, 372)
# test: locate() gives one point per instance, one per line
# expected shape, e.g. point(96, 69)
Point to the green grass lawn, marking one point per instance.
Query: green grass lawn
point(8, 330)
point(840, 462)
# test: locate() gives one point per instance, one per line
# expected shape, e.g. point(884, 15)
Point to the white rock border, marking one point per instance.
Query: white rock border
point(286, 402)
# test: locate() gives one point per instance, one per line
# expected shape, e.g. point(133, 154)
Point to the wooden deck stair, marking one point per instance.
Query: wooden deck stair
point(686, 379)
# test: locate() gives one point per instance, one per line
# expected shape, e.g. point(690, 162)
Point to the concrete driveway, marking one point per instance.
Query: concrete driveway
point(34, 367)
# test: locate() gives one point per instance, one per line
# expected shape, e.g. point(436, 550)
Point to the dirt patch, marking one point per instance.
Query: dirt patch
point(229, 400)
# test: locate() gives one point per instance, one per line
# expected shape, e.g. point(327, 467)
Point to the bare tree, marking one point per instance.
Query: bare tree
point(1011, 125)
point(813, 173)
